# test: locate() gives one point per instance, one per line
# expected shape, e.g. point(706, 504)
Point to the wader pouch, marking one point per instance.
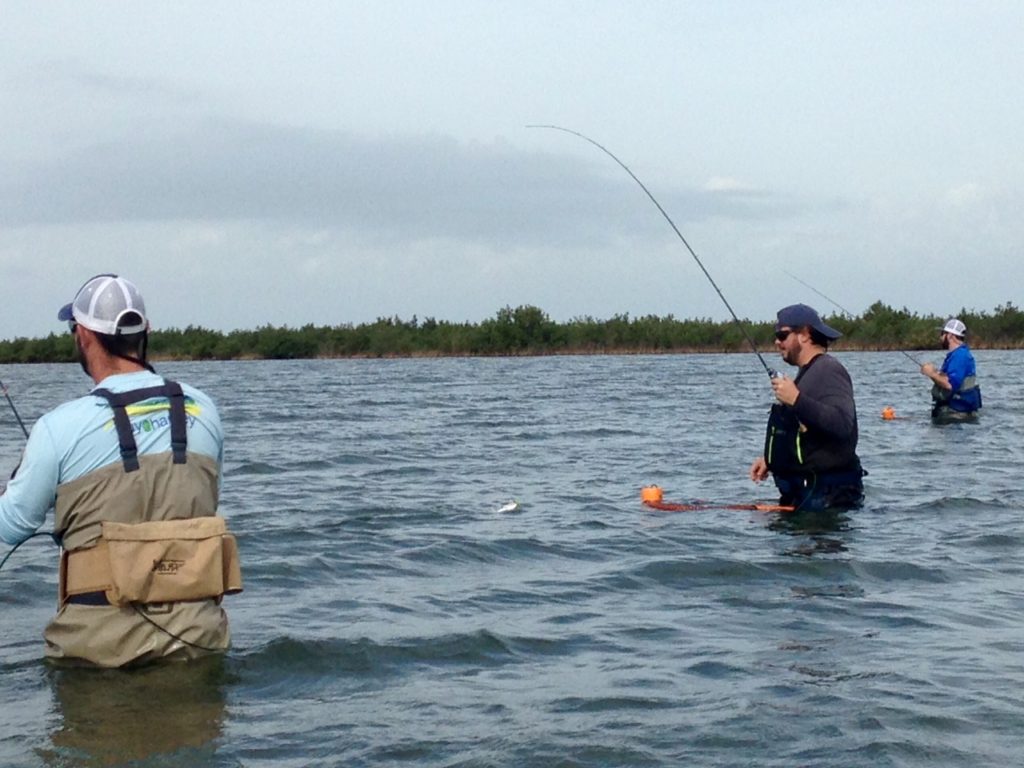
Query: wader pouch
point(156, 562)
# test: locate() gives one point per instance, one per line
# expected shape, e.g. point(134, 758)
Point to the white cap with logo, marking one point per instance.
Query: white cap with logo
point(107, 304)
point(955, 327)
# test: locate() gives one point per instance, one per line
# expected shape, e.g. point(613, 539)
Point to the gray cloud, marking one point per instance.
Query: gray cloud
point(391, 188)
point(76, 77)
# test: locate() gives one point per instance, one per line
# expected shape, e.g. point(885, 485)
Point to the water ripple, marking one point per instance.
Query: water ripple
point(393, 616)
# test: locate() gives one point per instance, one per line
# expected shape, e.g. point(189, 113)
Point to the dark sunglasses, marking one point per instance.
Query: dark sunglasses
point(783, 335)
point(72, 327)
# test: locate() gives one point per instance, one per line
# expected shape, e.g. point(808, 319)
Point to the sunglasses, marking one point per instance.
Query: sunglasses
point(783, 335)
point(72, 327)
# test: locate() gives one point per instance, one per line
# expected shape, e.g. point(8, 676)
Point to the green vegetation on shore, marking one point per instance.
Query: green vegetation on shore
point(527, 330)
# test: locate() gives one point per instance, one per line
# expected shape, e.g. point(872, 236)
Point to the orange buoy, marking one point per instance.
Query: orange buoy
point(651, 493)
point(888, 413)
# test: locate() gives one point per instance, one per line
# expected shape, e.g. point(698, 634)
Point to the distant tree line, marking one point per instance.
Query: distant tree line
point(527, 330)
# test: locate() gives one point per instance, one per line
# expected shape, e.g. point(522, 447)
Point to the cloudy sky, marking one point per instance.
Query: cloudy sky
point(332, 162)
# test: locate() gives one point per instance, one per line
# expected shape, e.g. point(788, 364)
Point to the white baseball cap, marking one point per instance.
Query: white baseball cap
point(955, 327)
point(107, 304)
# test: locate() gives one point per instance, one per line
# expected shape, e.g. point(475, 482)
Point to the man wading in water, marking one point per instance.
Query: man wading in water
point(956, 395)
point(133, 473)
point(811, 442)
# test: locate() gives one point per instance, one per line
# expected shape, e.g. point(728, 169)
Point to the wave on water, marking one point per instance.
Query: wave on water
point(393, 616)
point(256, 468)
point(288, 657)
point(962, 505)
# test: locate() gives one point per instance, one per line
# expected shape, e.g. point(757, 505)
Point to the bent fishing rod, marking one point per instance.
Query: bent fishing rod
point(836, 304)
point(770, 371)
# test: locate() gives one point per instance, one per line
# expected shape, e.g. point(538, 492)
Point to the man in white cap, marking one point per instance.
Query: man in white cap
point(956, 395)
point(811, 441)
point(132, 471)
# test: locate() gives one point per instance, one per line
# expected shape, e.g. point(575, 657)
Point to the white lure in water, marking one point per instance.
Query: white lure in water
point(512, 506)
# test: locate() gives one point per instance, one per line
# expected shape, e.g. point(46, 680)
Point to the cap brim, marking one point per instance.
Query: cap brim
point(66, 313)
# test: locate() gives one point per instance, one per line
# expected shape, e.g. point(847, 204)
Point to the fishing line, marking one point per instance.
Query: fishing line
point(653, 497)
point(25, 432)
point(839, 306)
point(15, 410)
point(771, 372)
point(173, 636)
point(700, 506)
point(30, 536)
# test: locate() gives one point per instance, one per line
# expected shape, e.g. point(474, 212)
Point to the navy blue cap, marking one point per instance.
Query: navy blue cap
point(799, 315)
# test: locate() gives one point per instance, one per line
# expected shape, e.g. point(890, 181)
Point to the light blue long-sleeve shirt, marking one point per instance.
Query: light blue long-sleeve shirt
point(79, 436)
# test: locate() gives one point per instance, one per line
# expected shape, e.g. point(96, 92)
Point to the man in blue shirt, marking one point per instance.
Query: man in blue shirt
point(132, 471)
point(956, 395)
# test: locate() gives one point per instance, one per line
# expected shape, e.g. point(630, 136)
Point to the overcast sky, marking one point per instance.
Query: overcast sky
point(304, 162)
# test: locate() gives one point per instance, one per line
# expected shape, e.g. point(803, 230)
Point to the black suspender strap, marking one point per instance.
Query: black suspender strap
point(179, 436)
point(119, 401)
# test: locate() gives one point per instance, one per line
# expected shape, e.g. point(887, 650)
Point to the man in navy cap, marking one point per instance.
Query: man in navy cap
point(955, 391)
point(811, 442)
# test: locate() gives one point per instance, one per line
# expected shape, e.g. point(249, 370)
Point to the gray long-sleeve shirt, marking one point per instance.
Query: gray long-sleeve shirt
point(826, 408)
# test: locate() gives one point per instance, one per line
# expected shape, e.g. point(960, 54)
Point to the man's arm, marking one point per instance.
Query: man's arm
point(937, 376)
point(31, 491)
point(826, 400)
point(956, 369)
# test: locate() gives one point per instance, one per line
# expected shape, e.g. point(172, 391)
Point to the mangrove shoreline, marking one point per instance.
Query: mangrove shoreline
point(528, 331)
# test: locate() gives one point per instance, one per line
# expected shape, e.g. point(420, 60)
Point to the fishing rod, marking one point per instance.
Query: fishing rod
point(847, 312)
point(770, 371)
point(12, 550)
point(14, 410)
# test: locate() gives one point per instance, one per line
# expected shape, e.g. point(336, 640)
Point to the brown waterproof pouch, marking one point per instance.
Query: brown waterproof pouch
point(163, 561)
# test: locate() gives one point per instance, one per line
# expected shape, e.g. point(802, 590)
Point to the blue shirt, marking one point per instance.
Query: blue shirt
point(78, 437)
point(958, 366)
